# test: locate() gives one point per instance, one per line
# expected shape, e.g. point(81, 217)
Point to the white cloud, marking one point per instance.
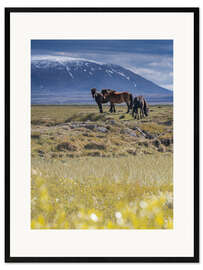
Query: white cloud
point(159, 77)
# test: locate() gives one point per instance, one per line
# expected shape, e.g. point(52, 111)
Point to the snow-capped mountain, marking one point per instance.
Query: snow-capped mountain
point(58, 80)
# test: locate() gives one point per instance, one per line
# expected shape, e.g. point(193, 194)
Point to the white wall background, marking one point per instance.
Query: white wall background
point(78, 3)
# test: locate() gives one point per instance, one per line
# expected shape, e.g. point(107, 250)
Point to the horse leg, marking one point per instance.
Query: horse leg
point(114, 108)
point(128, 107)
point(111, 107)
point(133, 112)
point(138, 114)
point(110, 110)
point(141, 113)
point(100, 107)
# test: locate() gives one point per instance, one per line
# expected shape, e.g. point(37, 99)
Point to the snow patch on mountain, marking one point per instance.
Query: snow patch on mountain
point(65, 76)
point(62, 59)
point(68, 69)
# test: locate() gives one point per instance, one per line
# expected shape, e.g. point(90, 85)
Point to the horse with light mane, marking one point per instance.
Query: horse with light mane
point(118, 97)
point(140, 104)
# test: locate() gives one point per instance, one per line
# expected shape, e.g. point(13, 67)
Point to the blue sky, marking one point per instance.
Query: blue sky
point(152, 59)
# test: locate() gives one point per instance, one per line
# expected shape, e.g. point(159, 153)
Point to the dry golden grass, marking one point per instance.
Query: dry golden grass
point(88, 179)
point(137, 189)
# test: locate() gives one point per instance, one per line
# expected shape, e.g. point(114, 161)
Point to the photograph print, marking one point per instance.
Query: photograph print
point(102, 134)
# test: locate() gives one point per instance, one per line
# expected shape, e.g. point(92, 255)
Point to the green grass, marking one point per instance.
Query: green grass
point(83, 178)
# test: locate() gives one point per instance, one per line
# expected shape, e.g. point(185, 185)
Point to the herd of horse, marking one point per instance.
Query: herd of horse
point(138, 105)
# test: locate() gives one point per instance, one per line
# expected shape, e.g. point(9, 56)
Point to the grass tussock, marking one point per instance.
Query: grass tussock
point(86, 117)
point(66, 146)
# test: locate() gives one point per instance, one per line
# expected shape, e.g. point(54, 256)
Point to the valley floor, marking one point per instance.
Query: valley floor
point(101, 171)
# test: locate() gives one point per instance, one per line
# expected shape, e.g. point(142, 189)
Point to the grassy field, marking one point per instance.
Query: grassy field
point(101, 171)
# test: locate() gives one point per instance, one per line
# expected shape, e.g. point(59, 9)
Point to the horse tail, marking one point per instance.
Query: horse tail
point(146, 108)
point(131, 101)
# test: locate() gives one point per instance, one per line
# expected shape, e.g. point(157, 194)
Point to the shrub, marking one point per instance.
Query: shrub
point(35, 135)
point(95, 146)
point(132, 152)
point(144, 143)
point(41, 153)
point(156, 143)
point(166, 142)
point(66, 146)
point(161, 148)
point(94, 154)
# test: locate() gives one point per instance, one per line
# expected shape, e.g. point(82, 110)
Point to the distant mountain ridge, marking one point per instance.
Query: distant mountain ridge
point(63, 80)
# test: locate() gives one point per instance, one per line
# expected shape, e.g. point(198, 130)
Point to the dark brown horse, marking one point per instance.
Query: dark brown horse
point(140, 103)
point(99, 98)
point(118, 97)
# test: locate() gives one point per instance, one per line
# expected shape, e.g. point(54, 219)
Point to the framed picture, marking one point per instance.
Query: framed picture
point(102, 134)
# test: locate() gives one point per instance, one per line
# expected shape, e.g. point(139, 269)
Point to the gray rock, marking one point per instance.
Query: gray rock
point(102, 129)
point(82, 124)
point(90, 126)
point(112, 122)
point(129, 132)
point(133, 134)
point(73, 125)
point(65, 128)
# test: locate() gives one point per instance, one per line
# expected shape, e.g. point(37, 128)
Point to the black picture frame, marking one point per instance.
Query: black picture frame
point(8, 257)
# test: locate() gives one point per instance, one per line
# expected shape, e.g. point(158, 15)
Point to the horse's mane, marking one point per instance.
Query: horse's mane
point(109, 91)
point(112, 91)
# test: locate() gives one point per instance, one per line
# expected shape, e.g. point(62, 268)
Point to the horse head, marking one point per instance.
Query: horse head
point(146, 111)
point(146, 108)
point(107, 92)
point(93, 91)
point(104, 92)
